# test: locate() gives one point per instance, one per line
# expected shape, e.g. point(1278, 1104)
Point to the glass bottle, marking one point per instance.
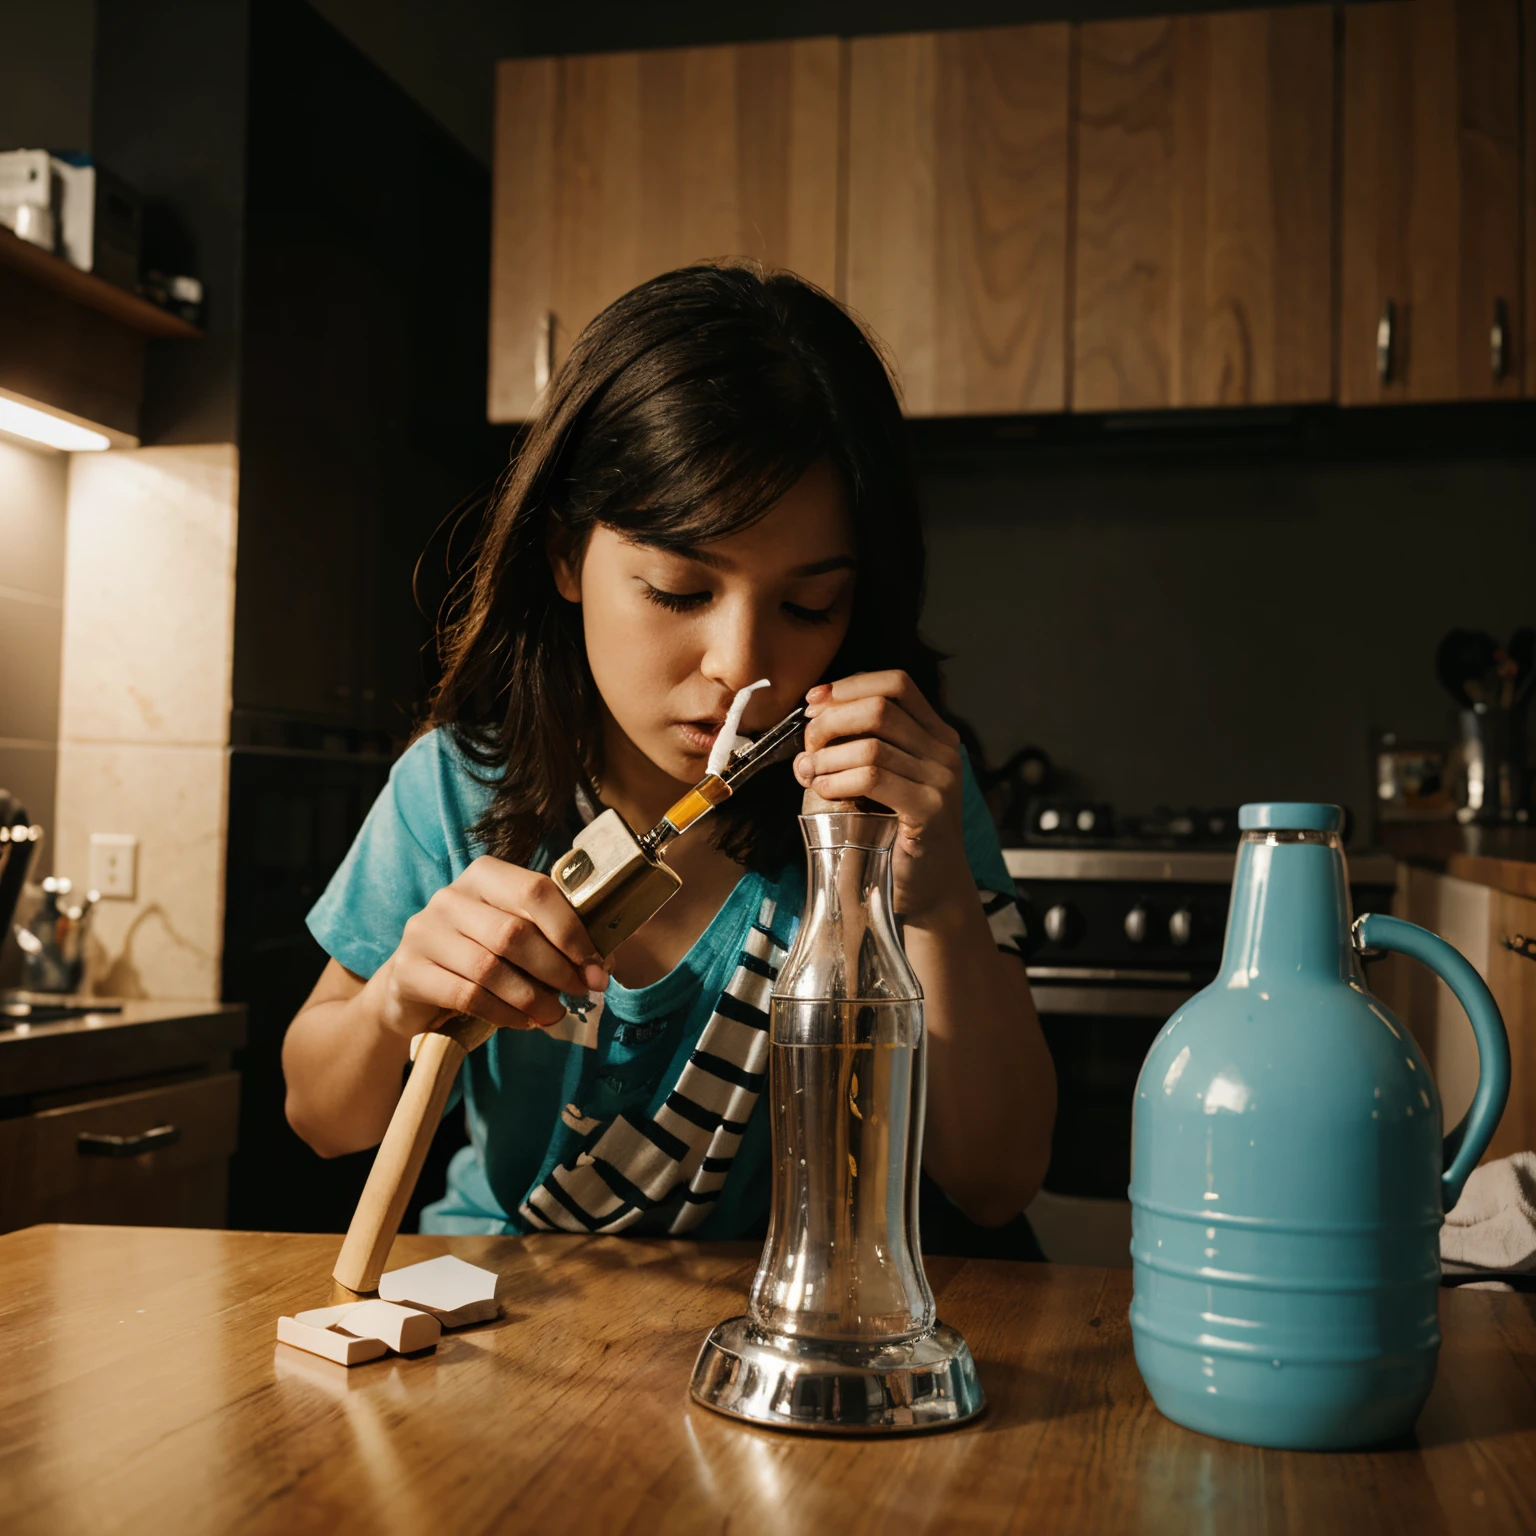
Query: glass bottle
point(846, 1088)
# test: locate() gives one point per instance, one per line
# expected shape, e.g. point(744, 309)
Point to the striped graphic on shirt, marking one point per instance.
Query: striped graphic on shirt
point(1005, 920)
point(664, 1173)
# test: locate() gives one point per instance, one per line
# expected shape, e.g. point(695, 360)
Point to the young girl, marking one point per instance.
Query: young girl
point(716, 491)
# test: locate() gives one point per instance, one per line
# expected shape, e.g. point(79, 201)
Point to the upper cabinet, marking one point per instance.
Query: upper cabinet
point(1430, 232)
point(612, 168)
point(1267, 207)
point(1203, 240)
point(957, 213)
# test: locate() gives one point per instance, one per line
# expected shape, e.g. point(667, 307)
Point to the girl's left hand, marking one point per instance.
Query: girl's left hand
point(875, 735)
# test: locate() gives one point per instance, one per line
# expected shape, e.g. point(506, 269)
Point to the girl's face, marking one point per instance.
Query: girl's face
point(672, 635)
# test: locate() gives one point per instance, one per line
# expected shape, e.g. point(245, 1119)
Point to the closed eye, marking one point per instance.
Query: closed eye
point(809, 615)
point(676, 602)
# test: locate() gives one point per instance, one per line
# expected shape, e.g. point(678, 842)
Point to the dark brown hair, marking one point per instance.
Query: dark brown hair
point(685, 410)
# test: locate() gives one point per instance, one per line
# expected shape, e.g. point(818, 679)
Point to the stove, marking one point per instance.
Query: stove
point(1122, 930)
point(1122, 915)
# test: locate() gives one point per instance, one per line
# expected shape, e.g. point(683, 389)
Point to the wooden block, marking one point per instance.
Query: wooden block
point(454, 1292)
point(325, 1317)
point(325, 1342)
point(462, 1317)
point(404, 1329)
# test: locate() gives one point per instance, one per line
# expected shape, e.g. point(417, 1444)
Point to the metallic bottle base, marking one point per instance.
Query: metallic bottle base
point(782, 1382)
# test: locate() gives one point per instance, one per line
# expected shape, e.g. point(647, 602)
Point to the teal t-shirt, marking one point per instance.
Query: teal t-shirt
point(534, 1099)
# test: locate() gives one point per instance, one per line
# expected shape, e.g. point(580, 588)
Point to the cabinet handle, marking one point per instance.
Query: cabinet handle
point(1498, 340)
point(1385, 335)
point(99, 1144)
point(1521, 945)
point(544, 351)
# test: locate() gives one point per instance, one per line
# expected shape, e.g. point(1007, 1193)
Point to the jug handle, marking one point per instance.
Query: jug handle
point(1467, 1143)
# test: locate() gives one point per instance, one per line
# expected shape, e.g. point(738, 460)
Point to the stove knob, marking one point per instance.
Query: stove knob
point(1058, 924)
point(1181, 926)
point(1136, 924)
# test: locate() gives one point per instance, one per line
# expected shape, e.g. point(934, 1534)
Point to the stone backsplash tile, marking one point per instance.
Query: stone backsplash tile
point(167, 942)
point(149, 604)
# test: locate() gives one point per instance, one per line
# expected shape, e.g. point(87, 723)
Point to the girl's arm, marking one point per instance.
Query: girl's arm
point(500, 943)
point(991, 1083)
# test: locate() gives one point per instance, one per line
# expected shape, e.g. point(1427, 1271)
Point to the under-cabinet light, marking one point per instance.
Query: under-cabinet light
point(50, 430)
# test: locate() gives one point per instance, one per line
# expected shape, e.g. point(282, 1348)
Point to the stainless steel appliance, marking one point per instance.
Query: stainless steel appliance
point(1121, 934)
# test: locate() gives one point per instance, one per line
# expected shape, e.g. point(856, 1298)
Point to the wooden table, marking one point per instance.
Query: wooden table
point(142, 1390)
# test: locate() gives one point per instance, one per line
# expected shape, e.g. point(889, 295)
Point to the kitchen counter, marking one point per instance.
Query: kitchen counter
point(1502, 858)
point(144, 1391)
point(144, 1039)
point(154, 1081)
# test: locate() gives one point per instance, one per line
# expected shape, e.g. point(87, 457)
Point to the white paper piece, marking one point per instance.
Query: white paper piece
point(728, 741)
point(453, 1291)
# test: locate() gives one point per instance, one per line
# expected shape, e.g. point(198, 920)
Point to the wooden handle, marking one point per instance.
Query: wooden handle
point(615, 886)
point(397, 1164)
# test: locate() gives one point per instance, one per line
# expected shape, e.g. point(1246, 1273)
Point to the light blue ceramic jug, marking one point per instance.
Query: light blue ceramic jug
point(1288, 1177)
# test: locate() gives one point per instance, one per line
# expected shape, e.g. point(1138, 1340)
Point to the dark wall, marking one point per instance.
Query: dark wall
point(1199, 633)
point(362, 426)
point(170, 120)
point(363, 417)
point(45, 73)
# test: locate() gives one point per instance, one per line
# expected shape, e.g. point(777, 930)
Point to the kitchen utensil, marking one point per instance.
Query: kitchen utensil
point(1493, 685)
point(19, 841)
point(52, 941)
point(1289, 1178)
point(840, 1332)
point(1466, 664)
point(616, 880)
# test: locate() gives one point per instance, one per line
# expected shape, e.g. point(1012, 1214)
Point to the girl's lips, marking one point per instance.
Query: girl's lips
point(699, 735)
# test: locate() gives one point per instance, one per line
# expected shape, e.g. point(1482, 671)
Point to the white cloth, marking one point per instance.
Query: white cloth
point(1493, 1225)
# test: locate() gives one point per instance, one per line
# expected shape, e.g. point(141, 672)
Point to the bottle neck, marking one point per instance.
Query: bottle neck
point(848, 945)
point(1290, 911)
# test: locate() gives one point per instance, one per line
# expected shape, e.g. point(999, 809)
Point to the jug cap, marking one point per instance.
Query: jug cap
point(1290, 816)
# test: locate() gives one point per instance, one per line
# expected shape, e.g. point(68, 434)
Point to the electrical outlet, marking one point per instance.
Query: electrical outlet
point(114, 864)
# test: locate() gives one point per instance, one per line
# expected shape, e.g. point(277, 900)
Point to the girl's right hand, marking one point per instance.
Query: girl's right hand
point(499, 944)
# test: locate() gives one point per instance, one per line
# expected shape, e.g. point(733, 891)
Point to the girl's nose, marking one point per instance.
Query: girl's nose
point(735, 654)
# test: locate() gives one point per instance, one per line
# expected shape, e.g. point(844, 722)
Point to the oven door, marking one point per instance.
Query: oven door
point(1099, 1036)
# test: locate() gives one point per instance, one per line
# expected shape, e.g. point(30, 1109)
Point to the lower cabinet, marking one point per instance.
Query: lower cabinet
point(158, 1156)
point(1485, 925)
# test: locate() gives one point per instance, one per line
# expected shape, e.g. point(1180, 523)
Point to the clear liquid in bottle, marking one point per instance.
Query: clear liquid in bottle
point(847, 1091)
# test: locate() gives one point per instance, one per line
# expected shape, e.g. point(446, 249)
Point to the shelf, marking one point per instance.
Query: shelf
point(106, 298)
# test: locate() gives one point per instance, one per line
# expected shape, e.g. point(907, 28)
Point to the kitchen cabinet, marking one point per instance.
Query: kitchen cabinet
point(957, 213)
point(75, 343)
point(612, 168)
point(1430, 301)
point(1480, 921)
point(75, 1162)
point(1203, 236)
point(1511, 977)
point(127, 1117)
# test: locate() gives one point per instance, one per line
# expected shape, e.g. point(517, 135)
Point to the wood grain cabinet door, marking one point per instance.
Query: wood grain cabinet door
point(1430, 209)
point(612, 168)
point(1203, 247)
point(957, 213)
point(1511, 977)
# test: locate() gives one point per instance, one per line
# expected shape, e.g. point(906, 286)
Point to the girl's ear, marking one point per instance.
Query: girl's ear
point(565, 566)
